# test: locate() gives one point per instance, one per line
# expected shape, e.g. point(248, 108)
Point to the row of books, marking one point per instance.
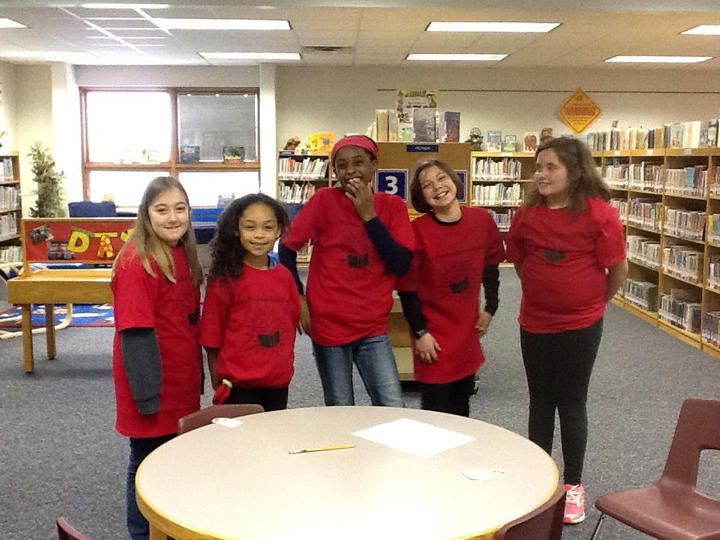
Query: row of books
point(423, 124)
point(695, 134)
point(713, 272)
point(309, 168)
point(710, 327)
point(621, 205)
point(503, 219)
point(296, 192)
point(713, 228)
point(10, 254)
point(687, 181)
point(9, 198)
point(492, 169)
point(683, 262)
point(6, 169)
point(643, 250)
point(8, 226)
point(497, 194)
point(689, 224)
point(645, 213)
point(641, 293)
point(682, 309)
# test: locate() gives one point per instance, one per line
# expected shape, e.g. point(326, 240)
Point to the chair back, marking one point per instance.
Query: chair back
point(92, 209)
point(697, 429)
point(67, 532)
point(543, 523)
point(204, 416)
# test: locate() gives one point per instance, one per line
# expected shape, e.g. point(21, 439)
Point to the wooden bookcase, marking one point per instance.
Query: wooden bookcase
point(10, 212)
point(498, 181)
point(668, 199)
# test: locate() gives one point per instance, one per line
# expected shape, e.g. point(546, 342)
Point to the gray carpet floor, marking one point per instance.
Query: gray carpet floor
point(61, 457)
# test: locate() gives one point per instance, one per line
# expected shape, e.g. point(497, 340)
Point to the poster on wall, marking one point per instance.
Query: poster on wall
point(407, 100)
point(89, 240)
point(579, 111)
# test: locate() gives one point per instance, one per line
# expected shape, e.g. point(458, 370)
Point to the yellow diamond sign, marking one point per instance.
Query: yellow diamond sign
point(579, 111)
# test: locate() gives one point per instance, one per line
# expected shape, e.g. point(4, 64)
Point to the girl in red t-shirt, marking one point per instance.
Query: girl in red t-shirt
point(568, 247)
point(157, 362)
point(252, 307)
point(457, 249)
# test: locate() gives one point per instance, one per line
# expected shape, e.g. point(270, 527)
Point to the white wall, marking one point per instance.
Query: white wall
point(168, 76)
point(343, 100)
point(8, 101)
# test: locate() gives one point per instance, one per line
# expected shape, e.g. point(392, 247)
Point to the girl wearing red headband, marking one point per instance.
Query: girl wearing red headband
point(362, 241)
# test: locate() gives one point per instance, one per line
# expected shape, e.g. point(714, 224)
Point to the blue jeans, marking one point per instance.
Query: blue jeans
point(138, 527)
point(375, 361)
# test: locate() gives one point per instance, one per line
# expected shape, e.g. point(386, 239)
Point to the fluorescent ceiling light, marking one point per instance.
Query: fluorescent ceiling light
point(126, 6)
point(457, 57)
point(9, 23)
point(48, 55)
point(509, 27)
point(659, 59)
point(249, 56)
point(704, 30)
point(221, 24)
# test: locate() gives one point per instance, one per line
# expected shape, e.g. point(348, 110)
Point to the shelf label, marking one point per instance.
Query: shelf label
point(392, 182)
point(423, 148)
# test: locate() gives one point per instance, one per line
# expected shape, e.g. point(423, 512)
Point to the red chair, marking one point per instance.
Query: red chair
point(66, 532)
point(673, 508)
point(204, 416)
point(543, 523)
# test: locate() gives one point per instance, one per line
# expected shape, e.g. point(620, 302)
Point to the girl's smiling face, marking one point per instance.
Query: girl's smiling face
point(437, 187)
point(258, 230)
point(169, 215)
point(353, 162)
point(551, 179)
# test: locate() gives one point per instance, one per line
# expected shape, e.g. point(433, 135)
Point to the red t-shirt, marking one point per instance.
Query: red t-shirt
point(252, 320)
point(447, 272)
point(563, 262)
point(143, 301)
point(349, 289)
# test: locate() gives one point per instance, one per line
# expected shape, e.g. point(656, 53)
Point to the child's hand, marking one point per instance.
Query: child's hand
point(483, 321)
point(426, 347)
point(361, 195)
point(304, 322)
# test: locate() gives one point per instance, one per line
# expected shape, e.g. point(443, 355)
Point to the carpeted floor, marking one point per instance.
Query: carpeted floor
point(60, 455)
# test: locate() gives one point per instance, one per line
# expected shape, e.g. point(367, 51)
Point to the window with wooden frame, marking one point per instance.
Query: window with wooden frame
point(207, 138)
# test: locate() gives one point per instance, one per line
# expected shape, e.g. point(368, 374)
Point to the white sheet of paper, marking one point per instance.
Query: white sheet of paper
point(416, 438)
point(485, 474)
point(227, 422)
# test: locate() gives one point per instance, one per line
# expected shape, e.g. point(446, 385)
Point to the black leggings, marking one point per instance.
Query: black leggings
point(272, 399)
point(452, 398)
point(558, 369)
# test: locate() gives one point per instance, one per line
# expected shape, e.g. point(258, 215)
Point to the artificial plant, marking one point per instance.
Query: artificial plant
point(49, 190)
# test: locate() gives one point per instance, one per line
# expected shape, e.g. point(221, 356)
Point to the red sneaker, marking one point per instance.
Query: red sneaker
point(574, 504)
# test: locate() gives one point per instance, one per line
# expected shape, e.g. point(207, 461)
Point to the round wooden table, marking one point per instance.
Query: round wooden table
point(242, 482)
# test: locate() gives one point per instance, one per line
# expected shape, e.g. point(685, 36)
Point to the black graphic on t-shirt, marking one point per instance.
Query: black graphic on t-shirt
point(357, 261)
point(460, 286)
point(552, 255)
point(267, 341)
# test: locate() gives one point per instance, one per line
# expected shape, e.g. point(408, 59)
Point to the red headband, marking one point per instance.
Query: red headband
point(366, 143)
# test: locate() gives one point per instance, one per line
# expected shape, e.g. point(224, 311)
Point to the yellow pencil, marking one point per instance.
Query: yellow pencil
point(322, 449)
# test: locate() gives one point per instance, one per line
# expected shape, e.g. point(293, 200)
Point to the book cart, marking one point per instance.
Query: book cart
point(395, 165)
point(669, 201)
point(298, 176)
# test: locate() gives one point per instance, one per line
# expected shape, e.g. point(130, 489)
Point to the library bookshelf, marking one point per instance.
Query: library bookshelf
point(10, 212)
point(669, 201)
point(498, 181)
point(298, 176)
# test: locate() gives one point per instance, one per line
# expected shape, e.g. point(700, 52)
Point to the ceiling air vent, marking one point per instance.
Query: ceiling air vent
point(326, 49)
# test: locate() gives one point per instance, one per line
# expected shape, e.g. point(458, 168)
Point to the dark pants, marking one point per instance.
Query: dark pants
point(452, 398)
point(271, 399)
point(558, 369)
point(137, 525)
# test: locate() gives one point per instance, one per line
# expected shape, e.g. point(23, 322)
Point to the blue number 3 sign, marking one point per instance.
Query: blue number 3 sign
point(392, 182)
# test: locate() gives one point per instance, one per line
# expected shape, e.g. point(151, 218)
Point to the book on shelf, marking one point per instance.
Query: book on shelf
point(233, 154)
point(382, 125)
point(424, 125)
point(493, 141)
point(393, 126)
point(509, 143)
point(712, 133)
point(190, 153)
point(530, 141)
point(450, 127)
point(7, 168)
point(405, 132)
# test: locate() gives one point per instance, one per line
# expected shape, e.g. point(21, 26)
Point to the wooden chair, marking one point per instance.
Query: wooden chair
point(204, 416)
point(543, 523)
point(673, 508)
point(67, 532)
